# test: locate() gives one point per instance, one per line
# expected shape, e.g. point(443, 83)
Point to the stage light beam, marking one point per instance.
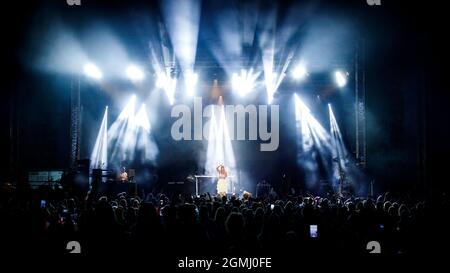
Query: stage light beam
point(99, 155)
point(314, 143)
point(142, 120)
point(168, 84)
point(128, 111)
point(271, 85)
point(130, 135)
point(220, 149)
point(161, 80)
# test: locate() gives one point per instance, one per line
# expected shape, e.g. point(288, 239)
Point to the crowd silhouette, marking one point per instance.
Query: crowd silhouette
point(44, 221)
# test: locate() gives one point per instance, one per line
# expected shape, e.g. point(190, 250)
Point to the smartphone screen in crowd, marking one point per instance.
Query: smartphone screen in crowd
point(313, 231)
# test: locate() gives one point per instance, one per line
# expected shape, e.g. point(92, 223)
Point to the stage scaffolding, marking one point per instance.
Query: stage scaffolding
point(360, 104)
point(75, 121)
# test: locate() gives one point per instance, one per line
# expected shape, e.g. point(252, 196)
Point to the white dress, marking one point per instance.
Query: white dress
point(222, 186)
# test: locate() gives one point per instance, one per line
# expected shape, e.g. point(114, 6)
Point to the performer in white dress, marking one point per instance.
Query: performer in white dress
point(222, 184)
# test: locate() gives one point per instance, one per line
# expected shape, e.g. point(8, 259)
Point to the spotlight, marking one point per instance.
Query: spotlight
point(130, 135)
point(99, 155)
point(340, 78)
point(161, 80)
point(141, 119)
point(299, 72)
point(168, 84)
point(220, 149)
point(271, 85)
point(134, 73)
point(190, 81)
point(92, 71)
point(128, 111)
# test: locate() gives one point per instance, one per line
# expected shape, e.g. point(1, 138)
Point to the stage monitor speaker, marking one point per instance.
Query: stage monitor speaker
point(131, 174)
point(96, 179)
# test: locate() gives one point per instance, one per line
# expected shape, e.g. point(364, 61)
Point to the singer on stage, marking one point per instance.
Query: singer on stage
point(222, 185)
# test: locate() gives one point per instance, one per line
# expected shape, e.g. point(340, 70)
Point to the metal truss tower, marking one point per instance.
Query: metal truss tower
point(75, 121)
point(360, 104)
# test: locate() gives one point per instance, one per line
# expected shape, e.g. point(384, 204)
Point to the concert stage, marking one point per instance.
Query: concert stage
point(203, 128)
